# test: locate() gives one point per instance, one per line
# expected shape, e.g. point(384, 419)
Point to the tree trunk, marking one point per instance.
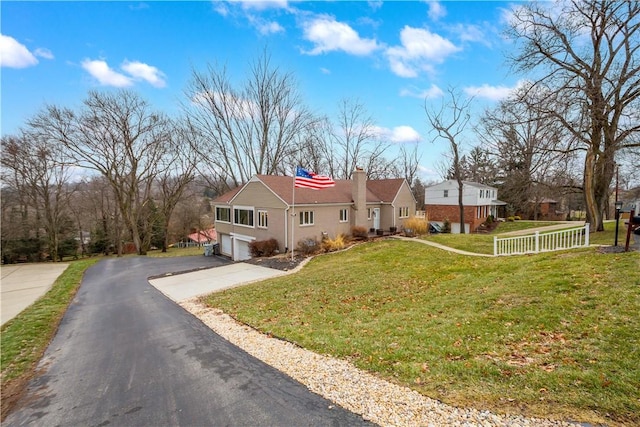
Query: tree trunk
point(591, 205)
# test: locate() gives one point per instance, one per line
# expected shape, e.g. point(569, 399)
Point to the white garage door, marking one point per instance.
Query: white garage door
point(225, 244)
point(241, 250)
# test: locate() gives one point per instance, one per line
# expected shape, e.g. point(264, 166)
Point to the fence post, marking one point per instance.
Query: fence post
point(537, 241)
point(586, 235)
point(495, 245)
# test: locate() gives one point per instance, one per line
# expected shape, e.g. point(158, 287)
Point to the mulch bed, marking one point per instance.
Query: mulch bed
point(279, 262)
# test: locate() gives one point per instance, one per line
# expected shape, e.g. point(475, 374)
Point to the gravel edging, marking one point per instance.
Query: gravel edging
point(375, 399)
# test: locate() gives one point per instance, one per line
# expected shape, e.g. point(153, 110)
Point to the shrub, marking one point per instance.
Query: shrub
point(262, 248)
point(517, 217)
point(308, 246)
point(359, 233)
point(490, 219)
point(446, 226)
point(417, 225)
point(510, 219)
point(331, 245)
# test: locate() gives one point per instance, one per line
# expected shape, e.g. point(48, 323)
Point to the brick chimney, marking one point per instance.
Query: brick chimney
point(359, 194)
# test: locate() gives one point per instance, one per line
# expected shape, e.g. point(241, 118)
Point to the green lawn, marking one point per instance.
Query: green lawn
point(553, 335)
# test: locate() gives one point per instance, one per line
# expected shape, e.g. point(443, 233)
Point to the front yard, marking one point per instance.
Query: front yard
point(553, 335)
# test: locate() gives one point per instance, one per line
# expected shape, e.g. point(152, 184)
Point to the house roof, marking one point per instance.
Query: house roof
point(203, 236)
point(453, 182)
point(380, 190)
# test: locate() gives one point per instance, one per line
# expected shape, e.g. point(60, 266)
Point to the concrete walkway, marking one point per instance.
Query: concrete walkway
point(439, 246)
point(560, 226)
point(180, 287)
point(22, 284)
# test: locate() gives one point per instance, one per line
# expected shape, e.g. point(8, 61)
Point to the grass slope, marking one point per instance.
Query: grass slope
point(554, 335)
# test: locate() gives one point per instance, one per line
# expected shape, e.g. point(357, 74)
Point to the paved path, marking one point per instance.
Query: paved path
point(439, 246)
point(126, 355)
point(560, 226)
point(180, 287)
point(22, 284)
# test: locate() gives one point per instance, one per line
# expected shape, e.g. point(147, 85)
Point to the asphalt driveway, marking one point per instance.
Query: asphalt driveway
point(126, 355)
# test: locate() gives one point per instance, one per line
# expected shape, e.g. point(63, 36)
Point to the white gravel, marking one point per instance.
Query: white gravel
point(377, 400)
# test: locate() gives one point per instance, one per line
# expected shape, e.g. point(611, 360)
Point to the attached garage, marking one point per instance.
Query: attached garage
point(241, 249)
point(225, 244)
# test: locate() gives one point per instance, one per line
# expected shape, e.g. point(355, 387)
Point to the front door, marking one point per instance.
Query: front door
point(376, 218)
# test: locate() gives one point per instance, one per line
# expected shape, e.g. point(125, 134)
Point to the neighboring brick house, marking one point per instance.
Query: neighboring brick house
point(264, 208)
point(479, 201)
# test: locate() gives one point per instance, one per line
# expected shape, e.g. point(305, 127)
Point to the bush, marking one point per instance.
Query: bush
point(417, 225)
point(308, 246)
point(446, 226)
point(510, 219)
point(490, 219)
point(517, 218)
point(331, 245)
point(359, 233)
point(262, 248)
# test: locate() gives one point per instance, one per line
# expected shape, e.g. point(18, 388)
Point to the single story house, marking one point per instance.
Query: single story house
point(201, 237)
point(269, 206)
point(479, 201)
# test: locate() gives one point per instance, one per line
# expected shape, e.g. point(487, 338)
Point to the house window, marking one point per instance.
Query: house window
point(403, 212)
point(223, 214)
point(262, 219)
point(243, 216)
point(368, 213)
point(306, 218)
point(344, 215)
point(446, 193)
point(481, 194)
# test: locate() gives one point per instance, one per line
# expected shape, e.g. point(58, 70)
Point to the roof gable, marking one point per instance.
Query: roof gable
point(380, 190)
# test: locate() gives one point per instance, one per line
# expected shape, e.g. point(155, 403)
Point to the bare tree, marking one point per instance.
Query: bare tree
point(178, 171)
point(248, 130)
point(450, 122)
point(587, 55)
point(41, 173)
point(354, 141)
point(524, 144)
point(117, 135)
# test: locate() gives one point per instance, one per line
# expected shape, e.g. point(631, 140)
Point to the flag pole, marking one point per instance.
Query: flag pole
point(293, 211)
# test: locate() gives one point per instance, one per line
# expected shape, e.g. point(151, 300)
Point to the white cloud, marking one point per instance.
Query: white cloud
point(43, 53)
point(328, 35)
point(420, 49)
point(105, 75)
point(262, 4)
point(375, 4)
point(265, 27)
point(492, 93)
point(398, 134)
point(470, 33)
point(15, 55)
point(140, 70)
point(325, 70)
point(436, 10)
point(430, 93)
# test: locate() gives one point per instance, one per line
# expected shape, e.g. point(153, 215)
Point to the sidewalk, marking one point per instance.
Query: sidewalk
point(22, 284)
point(439, 246)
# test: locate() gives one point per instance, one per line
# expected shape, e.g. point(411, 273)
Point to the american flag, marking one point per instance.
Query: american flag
point(307, 179)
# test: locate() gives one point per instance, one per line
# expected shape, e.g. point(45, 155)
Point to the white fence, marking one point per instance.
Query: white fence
point(542, 242)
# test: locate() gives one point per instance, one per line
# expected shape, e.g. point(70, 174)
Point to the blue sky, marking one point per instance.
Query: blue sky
point(392, 56)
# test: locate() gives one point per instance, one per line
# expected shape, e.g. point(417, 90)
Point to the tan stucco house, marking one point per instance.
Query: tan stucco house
point(266, 207)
